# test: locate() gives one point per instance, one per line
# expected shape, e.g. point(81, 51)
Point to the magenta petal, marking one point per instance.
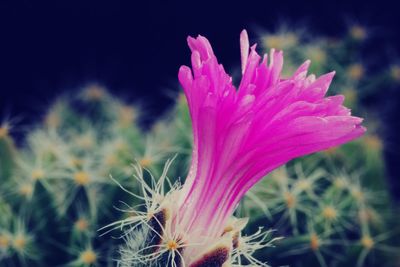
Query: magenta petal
point(242, 135)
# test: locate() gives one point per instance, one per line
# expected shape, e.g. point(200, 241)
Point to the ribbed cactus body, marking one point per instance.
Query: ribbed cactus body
point(56, 191)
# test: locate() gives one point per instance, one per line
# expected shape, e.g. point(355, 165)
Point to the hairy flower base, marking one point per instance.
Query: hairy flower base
point(158, 250)
point(155, 238)
point(148, 244)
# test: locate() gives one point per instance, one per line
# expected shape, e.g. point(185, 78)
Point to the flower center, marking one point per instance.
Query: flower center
point(290, 200)
point(81, 224)
point(81, 178)
point(3, 131)
point(395, 72)
point(329, 213)
point(357, 194)
point(4, 241)
point(26, 189)
point(314, 242)
point(94, 93)
point(172, 245)
point(339, 183)
point(356, 71)
point(126, 116)
point(19, 243)
point(373, 142)
point(146, 162)
point(367, 242)
point(88, 256)
point(358, 32)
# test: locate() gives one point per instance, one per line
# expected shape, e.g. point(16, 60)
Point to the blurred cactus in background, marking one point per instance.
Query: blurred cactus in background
point(56, 191)
point(73, 176)
point(333, 207)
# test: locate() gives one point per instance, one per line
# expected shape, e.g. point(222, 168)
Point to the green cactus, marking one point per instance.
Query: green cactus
point(72, 175)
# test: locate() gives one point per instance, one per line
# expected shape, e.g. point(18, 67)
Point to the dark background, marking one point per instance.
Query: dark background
point(136, 47)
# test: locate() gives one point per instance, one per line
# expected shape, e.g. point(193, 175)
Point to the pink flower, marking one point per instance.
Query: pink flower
point(240, 135)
